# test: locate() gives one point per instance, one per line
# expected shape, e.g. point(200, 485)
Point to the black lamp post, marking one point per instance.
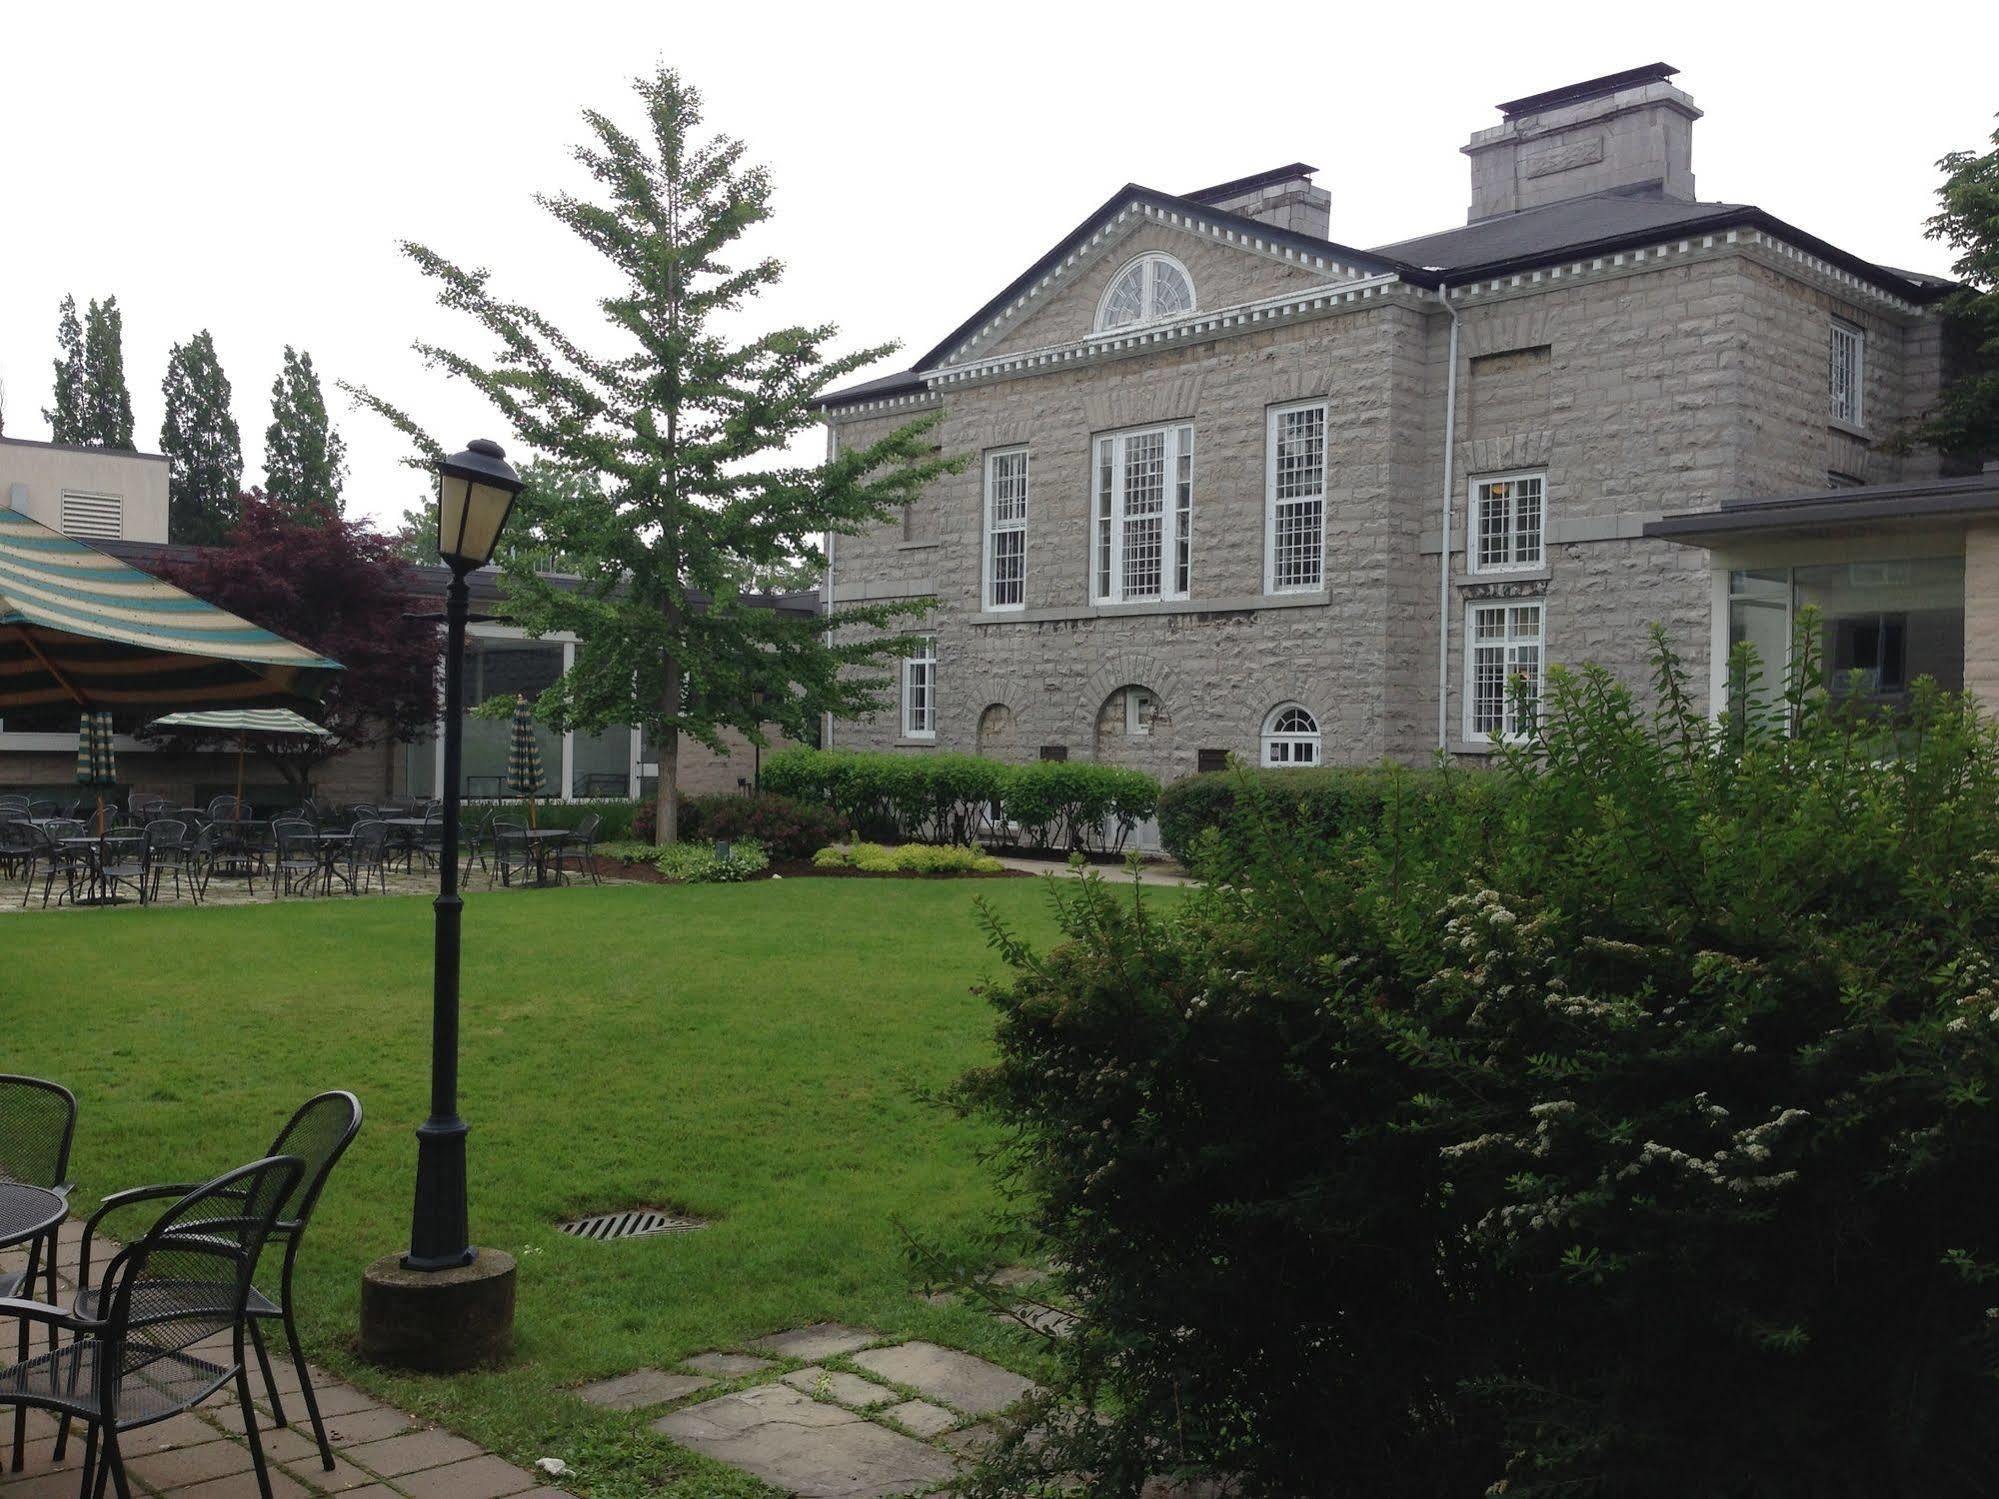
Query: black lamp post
point(475, 494)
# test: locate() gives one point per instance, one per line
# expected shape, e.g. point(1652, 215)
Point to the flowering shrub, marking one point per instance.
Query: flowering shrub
point(1634, 1140)
point(697, 864)
point(908, 858)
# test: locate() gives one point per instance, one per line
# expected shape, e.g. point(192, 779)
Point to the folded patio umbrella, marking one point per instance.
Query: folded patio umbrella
point(524, 774)
point(278, 723)
point(95, 764)
point(78, 626)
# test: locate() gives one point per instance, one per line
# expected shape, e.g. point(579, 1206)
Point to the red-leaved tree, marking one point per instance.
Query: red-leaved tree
point(338, 587)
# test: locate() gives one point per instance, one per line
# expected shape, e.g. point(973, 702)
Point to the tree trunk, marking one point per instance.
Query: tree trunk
point(666, 808)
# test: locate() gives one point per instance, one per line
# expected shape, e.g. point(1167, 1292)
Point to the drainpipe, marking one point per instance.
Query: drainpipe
point(826, 719)
point(1444, 562)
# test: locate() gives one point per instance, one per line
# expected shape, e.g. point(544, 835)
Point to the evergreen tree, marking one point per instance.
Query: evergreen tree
point(305, 459)
point(65, 418)
point(107, 404)
point(203, 446)
point(681, 436)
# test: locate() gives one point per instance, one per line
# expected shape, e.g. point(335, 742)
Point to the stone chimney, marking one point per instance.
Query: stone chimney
point(1283, 198)
point(1629, 132)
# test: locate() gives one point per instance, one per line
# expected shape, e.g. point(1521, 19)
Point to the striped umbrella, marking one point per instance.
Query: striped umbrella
point(243, 722)
point(78, 626)
point(95, 765)
point(524, 774)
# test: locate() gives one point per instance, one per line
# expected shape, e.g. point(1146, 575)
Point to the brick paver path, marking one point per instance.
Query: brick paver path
point(378, 1452)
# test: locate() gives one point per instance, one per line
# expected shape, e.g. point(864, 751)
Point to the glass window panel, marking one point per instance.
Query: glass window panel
point(601, 764)
point(1883, 624)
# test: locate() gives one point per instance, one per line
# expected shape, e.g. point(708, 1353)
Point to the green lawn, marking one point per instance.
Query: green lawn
point(751, 1053)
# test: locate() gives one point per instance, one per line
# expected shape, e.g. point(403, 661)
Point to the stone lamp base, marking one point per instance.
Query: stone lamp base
point(438, 1321)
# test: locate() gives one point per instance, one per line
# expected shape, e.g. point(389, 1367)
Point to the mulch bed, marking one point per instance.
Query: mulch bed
point(798, 869)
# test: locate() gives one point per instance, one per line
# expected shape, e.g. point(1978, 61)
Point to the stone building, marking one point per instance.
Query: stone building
point(1239, 487)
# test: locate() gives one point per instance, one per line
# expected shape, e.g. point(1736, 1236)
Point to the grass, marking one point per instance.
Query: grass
point(753, 1054)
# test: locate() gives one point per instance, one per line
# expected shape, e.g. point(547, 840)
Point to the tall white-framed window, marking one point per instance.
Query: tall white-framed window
point(1294, 498)
point(1006, 529)
point(1142, 536)
point(1849, 371)
point(1504, 645)
point(1290, 736)
point(1148, 288)
point(1509, 520)
point(919, 690)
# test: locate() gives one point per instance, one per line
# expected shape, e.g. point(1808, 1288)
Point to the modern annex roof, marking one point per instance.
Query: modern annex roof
point(1553, 234)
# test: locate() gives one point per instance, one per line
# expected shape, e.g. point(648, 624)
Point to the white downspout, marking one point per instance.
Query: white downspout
point(826, 594)
point(1450, 504)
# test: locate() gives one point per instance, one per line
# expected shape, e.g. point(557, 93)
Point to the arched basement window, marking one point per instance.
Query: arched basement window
point(1290, 737)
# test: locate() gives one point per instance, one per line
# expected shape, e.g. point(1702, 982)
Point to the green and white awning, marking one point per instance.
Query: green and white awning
point(275, 721)
point(78, 626)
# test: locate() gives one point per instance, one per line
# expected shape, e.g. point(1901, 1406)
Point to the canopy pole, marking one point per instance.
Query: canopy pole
point(50, 667)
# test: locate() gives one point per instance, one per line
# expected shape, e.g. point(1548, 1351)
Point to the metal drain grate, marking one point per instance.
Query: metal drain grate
point(635, 1223)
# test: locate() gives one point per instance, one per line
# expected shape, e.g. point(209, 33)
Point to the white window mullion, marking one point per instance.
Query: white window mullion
point(1294, 498)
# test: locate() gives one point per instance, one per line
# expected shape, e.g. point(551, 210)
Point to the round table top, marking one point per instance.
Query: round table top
point(26, 1211)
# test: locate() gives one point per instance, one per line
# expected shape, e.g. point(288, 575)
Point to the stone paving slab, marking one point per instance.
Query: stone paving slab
point(797, 1444)
point(921, 1417)
point(849, 1390)
point(726, 1365)
point(640, 1388)
point(821, 1340)
point(947, 1376)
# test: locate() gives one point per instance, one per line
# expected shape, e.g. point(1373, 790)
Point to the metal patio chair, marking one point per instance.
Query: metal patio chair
point(37, 1128)
point(512, 852)
point(133, 1356)
point(168, 852)
point(16, 842)
point(317, 1135)
point(368, 856)
point(53, 858)
point(297, 855)
point(580, 848)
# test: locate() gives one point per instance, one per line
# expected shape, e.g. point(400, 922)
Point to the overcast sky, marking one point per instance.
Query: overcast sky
point(250, 170)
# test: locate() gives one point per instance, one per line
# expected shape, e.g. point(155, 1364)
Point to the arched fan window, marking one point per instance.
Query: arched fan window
point(1153, 286)
point(1290, 736)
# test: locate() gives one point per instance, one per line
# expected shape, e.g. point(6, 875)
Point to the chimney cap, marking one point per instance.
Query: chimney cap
point(1589, 88)
point(1296, 171)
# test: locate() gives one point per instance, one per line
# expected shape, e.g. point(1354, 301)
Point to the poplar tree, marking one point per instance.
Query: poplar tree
point(305, 459)
point(65, 418)
point(678, 436)
point(203, 445)
point(107, 404)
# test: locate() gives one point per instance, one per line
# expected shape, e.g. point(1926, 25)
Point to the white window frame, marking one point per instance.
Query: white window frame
point(1509, 644)
point(1272, 421)
point(1110, 520)
point(1476, 501)
point(1851, 412)
point(1291, 739)
point(919, 713)
point(994, 528)
point(1149, 311)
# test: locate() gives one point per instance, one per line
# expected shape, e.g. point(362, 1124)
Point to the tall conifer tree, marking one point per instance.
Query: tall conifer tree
point(65, 418)
point(305, 459)
point(107, 404)
point(680, 433)
point(203, 445)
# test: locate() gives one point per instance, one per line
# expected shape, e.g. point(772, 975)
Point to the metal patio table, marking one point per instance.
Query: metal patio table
point(332, 846)
point(543, 842)
point(99, 888)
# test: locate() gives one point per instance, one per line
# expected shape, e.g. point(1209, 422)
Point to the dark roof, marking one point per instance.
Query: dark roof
point(84, 447)
point(1589, 88)
point(1237, 186)
point(1599, 224)
point(1914, 499)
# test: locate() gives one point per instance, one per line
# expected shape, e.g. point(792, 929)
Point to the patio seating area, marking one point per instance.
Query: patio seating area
point(74, 853)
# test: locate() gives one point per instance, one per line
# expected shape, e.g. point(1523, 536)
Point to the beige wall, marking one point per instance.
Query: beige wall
point(34, 476)
point(1981, 614)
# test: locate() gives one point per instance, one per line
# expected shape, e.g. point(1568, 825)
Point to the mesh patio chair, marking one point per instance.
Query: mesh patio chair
point(14, 805)
point(475, 837)
point(53, 859)
point(16, 843)
point(37, 1128)
point(168, 852)
point(40, 807)
point(297, 855)
point(143, 1351)
point(368, 857)
point(512, 852)
point(317, 1135)
point(122, 860)
point(580, 848)
point(223, 808)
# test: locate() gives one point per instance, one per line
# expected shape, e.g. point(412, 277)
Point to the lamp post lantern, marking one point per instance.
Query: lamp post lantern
point(443, 1305)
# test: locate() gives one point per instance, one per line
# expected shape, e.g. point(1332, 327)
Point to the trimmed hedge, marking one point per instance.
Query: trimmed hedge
point(786, 827)
point(1316, 806)
point(953, 798)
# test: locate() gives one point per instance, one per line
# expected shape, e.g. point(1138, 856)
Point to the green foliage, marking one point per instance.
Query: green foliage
point(1223, 815)
point(616, 815)
point(699, 864)
point(305, 459)
point(951, 798)
point(93, 408)
point(1630, 1136)
point(65, 418)
point(786, 828)
point(1964, 424)
point(683, 433)
point(204, 449)
point(907, 858)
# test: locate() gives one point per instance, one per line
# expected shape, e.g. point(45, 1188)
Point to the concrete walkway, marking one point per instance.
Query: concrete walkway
point(378, 1452)
point(1150, 874)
